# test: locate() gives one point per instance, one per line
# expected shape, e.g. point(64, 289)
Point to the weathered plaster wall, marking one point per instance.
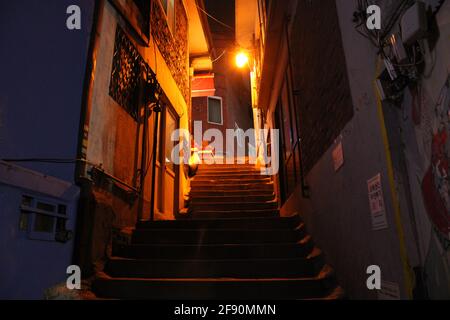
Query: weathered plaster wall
point(28, 266)
point(113, 138)
point(417, 128)
point(337, 214)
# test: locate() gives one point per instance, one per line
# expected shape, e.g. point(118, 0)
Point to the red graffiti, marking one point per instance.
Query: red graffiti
point(435, 183)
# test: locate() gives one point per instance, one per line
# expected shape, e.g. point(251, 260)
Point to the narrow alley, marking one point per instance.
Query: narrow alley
point(251, 150)
point(234, 245)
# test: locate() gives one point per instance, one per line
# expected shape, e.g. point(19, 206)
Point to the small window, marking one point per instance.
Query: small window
point(215, 110)
point(44, 223)
point(25, 216)
point(43, 219)
point(46, 207)
point(62, 209)
point(169, 9)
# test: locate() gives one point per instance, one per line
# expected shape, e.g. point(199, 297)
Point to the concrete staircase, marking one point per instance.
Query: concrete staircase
point(232, 191)
point(234, 245)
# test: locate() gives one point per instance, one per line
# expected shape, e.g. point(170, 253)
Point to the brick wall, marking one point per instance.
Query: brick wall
point(320, 74)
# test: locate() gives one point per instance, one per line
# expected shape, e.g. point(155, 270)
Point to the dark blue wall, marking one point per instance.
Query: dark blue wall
point(42, 67)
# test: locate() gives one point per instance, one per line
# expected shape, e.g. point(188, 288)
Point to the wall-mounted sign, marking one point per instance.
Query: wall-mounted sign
point(376, 202)
point(338, 156)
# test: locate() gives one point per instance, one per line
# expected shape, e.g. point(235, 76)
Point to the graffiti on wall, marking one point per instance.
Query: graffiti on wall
point(436, 185)
point(432, 135)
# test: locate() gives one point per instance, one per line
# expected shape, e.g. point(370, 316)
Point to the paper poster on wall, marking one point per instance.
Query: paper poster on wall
point(338, 156)
point(376, 202)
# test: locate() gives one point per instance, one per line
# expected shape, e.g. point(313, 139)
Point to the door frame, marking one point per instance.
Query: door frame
point(160, 163)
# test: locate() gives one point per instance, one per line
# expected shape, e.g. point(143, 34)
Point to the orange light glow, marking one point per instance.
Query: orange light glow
point(241, 59)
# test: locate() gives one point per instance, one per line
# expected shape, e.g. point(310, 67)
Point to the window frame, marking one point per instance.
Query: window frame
point(166, 14)
point(31, 211)
point(169, 112)
point(221, 110)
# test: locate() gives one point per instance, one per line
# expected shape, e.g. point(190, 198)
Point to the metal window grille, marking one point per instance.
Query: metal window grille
point(127, 66)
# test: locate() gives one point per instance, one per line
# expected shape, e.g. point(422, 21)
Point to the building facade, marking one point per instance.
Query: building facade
point(357, 168)
point(95, 137)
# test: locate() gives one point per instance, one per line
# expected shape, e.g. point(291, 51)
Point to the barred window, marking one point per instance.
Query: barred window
point(124, 84)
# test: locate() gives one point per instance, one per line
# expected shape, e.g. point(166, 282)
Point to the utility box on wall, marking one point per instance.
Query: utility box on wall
point(37, 215)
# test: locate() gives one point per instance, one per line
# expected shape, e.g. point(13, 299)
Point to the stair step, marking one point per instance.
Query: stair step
point(230, 193)
point(232, 214)
point(230, 176)
point(336, 293)
point(228, 172)
point(232, 199)
point(233, 245)
point(240, 223)
point(214, 289)
point(241, 268)
point(220, 206)
point(223, 167)
point(204, 186)
point(233, 251)
point(223, 181)
point(217, 236)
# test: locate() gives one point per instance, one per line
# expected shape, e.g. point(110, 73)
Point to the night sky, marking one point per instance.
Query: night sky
point(222, 10)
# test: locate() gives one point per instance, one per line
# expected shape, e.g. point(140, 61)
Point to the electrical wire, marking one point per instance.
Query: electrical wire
point(219, 57)
point(213, 18)
point(149, 156)
point(406, 65)
point(376, 37)
point(72, 161)
point(48, 160)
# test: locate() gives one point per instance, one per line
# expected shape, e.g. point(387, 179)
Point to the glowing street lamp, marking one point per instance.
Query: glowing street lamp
point(241, 60)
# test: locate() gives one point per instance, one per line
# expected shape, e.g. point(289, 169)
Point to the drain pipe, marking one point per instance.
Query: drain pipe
point(304, 186)
point(88, 88)
point(144, 151)
point(83, 235)
point(157, 110)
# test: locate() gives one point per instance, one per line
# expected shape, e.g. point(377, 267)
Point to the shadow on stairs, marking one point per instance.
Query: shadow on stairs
point(234, 245)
